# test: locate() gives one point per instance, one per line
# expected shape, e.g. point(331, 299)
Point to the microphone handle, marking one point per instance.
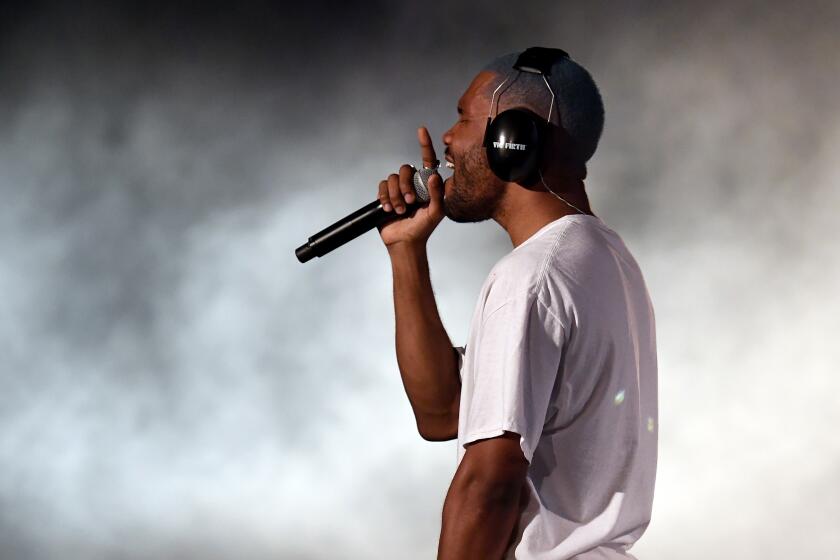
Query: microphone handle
point(350, 227)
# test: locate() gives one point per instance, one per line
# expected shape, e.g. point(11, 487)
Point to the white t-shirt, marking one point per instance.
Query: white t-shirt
point(562, 351)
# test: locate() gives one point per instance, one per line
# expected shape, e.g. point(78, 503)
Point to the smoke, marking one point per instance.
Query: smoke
point(176, 384)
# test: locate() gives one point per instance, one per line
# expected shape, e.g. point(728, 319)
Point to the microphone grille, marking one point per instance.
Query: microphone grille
point(421, 182)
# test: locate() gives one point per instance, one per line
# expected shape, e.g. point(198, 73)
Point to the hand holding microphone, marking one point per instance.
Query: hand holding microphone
point(408, 209)
point(397, 194)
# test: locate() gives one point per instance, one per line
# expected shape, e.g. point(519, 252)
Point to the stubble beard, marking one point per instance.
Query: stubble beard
point(475, 191)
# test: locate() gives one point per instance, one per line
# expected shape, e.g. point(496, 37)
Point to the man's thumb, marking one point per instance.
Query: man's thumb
point(435, 185)
point(435, 191)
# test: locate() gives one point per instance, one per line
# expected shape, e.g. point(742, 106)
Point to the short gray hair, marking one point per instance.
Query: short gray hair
point(577, 102)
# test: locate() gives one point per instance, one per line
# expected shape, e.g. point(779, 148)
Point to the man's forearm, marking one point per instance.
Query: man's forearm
point(478, 522)
point(427, 363)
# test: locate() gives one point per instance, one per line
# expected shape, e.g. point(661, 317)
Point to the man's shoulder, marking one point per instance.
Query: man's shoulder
point(564, 261)
point(517, 271)
point(529, 263)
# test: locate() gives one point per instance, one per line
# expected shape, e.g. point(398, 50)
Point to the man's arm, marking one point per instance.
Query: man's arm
point(484, 500)
point(427, 360)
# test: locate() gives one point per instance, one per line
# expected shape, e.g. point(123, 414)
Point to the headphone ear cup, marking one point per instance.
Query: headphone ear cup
point(513, 141)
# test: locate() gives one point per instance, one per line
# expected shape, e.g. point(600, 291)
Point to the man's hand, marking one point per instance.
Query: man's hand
point(397, 191)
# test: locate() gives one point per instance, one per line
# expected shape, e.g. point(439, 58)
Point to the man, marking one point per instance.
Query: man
point(553, 399)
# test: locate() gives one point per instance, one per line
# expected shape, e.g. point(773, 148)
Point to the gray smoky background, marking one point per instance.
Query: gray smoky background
point(174, 384)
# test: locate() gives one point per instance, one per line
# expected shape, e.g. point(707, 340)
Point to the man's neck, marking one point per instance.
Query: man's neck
point(524, 212)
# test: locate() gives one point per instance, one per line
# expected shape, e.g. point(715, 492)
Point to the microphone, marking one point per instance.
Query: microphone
point(365, 218)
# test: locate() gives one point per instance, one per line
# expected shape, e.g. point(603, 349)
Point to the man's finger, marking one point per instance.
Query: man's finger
point(406, 176)
point(427, 150)
point(435, 194)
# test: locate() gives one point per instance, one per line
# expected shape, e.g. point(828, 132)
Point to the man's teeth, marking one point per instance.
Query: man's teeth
point(450, 165)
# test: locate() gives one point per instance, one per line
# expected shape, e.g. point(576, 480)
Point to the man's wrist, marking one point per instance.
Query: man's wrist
point(403, 249)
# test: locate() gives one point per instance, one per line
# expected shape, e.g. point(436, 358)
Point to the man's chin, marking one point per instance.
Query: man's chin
point(454, 213)
point(457, 208)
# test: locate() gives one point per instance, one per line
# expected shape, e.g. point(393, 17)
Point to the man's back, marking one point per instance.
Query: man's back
point(562, 350)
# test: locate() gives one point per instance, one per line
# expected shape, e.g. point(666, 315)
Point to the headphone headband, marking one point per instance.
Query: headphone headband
point(539, 60)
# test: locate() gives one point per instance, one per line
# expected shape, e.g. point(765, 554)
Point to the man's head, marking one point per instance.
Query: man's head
point(474, 193)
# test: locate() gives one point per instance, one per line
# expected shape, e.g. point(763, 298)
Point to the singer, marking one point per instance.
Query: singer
point(553, 396)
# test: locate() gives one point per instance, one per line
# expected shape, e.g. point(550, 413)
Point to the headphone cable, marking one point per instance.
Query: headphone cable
point(557, 195)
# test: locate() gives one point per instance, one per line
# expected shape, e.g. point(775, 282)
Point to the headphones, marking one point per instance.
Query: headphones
point(514, 140)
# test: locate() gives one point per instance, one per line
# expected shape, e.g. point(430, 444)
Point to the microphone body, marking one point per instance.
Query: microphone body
point(364, 219)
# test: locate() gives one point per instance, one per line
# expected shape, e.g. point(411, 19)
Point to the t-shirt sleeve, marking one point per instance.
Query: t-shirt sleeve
point(515, 363)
